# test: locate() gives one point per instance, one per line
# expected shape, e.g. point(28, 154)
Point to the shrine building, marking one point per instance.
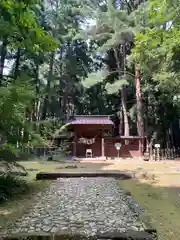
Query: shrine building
point(93, 137)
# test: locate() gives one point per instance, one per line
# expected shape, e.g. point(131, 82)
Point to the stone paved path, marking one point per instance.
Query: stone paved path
point(81, 205)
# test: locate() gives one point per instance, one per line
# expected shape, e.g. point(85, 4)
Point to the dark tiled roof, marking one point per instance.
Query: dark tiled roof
point(97, 120)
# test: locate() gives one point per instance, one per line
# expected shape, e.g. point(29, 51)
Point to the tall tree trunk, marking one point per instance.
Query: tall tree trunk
point(48, 86)
point(17, 63)
point(121, 122)
point(123, 97)
point(3, 57)
point(146, 123)
point(37, 101)
point(125, 112)
point(60, 83)
point(140, 112)
point(65, 100)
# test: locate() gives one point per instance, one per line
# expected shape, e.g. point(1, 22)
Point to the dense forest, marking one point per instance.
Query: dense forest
point(111, 57)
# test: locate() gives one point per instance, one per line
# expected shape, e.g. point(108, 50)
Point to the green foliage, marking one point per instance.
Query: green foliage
point(55, 72)
point(156, 49)
point(14, 101)
point(15, 128)
point(93, 78)
point(115, 87)
point(50, 127)
point(19, 25)
point(11, 186)
point(8, 152)
point(63, 150)
point(37, 140)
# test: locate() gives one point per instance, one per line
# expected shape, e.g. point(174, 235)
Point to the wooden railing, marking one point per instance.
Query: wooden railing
point(165, 154)
point(38, 151)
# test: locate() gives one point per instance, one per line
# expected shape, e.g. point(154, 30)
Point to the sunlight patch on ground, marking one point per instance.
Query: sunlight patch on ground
point(165, 173)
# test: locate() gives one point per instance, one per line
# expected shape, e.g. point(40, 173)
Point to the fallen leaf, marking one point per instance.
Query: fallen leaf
point(4, 212)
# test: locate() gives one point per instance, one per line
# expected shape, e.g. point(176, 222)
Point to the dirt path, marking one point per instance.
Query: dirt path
point(164, 173)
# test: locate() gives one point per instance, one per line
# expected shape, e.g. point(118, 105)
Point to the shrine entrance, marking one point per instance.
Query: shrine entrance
point(89, 135)
point(90, 139)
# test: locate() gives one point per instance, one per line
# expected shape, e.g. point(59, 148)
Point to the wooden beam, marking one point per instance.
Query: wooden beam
point(102, 144)
point(75, 145)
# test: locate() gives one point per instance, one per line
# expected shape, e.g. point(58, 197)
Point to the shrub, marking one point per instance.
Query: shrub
point(8, 152)
point(11, 186)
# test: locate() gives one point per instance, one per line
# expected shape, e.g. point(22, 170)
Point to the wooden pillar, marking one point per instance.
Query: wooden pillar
point(74, 145)
point(102, 144)
point(141, 146)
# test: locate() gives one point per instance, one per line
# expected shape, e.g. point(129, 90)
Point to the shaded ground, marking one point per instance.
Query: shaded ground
point(86, 206)
point(15, 207)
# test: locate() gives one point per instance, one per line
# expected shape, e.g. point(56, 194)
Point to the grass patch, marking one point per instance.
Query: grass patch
point(161, 207)
point(24, 196)
point(16, 205)
point(52, 166)
point(17, 194)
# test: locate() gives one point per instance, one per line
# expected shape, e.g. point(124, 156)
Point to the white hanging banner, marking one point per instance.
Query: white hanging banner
point(87, 141)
